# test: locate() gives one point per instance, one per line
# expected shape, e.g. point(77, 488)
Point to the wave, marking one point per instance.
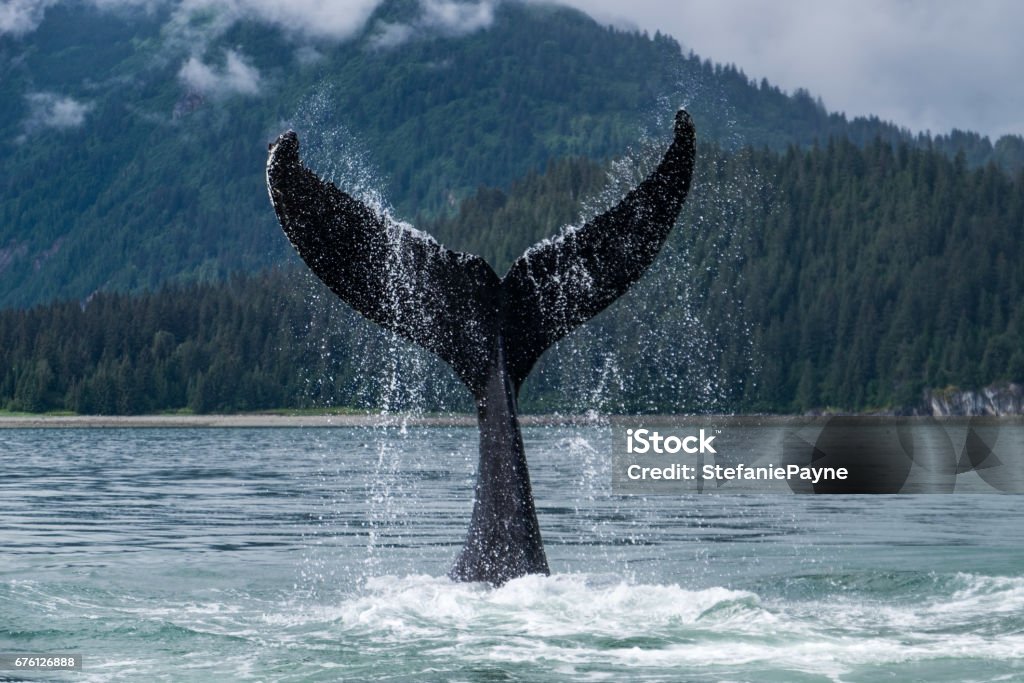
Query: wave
point(845, 627)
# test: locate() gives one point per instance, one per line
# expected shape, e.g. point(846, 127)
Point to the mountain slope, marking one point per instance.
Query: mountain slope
point(854, 279)
point(135, 140)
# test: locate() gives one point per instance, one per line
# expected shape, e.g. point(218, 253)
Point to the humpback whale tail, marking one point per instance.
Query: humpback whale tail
point(490, 330)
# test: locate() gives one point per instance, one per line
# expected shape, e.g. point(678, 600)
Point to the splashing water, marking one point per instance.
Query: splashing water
point(393, 377)
point(657, 347)
point(661, 347)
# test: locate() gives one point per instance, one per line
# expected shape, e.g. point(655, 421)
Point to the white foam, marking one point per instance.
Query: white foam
point(577, 620)
point(578, 625)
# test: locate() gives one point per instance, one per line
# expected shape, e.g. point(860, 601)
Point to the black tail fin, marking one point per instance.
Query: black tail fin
point(558, 285)
point(398, 277)
point(490, 331)
point(453, 304)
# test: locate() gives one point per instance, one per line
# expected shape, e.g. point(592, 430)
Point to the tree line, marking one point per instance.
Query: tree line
point(844, 276)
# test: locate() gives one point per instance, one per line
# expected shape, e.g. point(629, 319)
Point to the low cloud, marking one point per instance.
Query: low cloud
point(444, 17)
point(236, 76)
point(18, 17)
point(390, 35)
point(341, 19)
point(50, 110)
point(310, 18)
point(457, 17)
point(919, 63)
point(307, 54)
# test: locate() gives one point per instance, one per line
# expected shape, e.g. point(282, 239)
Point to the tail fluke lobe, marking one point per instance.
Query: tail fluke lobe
point(490, 331)
point(398, 277)
point(452, 303)
point(558, 285)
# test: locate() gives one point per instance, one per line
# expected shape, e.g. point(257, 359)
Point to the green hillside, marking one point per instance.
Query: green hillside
point(839, 276)
point(144, 177)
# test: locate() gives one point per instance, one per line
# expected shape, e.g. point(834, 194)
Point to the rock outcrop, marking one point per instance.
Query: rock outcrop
point(995, 400)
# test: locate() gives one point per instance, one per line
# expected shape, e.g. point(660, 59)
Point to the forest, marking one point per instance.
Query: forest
point(839, 276)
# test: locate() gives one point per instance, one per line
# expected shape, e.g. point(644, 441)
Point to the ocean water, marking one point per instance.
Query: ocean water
point(320, 555)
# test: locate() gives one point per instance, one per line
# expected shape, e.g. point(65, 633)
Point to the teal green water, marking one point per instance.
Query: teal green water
point(320, 554)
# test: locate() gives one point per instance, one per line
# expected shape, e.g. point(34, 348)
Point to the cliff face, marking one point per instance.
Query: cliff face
point(996, 400)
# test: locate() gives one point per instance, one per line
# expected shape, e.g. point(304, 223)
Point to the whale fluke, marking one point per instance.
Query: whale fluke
point(490, 330)
point(558, 285)
point(398, 277)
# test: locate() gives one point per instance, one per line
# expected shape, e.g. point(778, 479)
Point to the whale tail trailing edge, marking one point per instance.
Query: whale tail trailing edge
point(558, 285)
point(453, 304)
point(491, 331)
point(396, 276)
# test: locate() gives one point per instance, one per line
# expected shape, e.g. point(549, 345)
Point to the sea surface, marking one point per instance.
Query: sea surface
point(319, 554)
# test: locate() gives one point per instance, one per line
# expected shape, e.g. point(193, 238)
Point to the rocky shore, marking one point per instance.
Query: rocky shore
point(996, 400)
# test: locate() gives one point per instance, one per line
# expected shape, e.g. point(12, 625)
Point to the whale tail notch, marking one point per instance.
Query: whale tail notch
point(453, 304)
point(491, 331)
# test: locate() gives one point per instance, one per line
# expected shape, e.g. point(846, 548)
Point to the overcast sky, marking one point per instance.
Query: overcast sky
point(923, 64)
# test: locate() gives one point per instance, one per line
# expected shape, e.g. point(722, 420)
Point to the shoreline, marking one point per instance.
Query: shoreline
point(260, 420)
point(368, 420)
point(250, 420)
